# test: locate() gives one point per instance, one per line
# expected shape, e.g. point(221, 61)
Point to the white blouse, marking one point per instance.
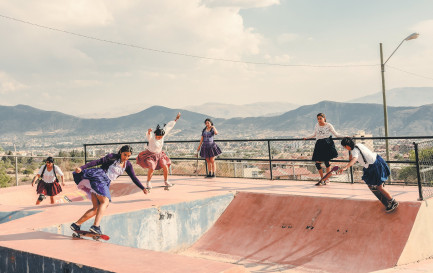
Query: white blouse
point(49, 175)
point(325, 131)
point(370, 156)
point(115, 170)
point(155, 146)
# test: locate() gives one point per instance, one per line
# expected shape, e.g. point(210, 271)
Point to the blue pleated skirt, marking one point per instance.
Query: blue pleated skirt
point(376, 173)
point(99, 182)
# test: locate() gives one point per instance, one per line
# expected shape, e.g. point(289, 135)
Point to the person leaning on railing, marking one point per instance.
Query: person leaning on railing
point(324, 150)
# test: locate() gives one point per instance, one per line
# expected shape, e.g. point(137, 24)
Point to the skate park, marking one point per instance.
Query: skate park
point(220, 225)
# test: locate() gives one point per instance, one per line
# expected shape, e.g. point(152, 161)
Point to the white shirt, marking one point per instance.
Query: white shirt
point(49, 175)
point(155, 146)
point(325, 131)
point(115, 170)
point(370, 156)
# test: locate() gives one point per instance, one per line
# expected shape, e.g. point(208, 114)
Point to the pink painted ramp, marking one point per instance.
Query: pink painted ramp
point(329, 234)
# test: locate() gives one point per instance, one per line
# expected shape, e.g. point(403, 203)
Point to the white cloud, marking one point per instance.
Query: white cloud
point(8, 84)
point(57, 13)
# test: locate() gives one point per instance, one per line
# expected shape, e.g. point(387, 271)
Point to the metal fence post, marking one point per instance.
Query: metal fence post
point(417, 171)
point(270, 159)
point(351, 170)
point(16, 165)
point(85, 153)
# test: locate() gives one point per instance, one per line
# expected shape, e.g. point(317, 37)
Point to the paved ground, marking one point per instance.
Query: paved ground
point(23, 234)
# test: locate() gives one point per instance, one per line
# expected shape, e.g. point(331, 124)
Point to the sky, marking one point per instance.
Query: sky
point(93, 58)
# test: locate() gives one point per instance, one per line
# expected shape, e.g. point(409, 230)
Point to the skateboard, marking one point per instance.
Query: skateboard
point(166, 188)
point(94, 236)
point(67, 198)
point(327, 175)
point(382, 198)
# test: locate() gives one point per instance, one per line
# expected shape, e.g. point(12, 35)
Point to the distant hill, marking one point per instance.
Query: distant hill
point(347, 118)
point(258, 109)
point(407, 96)
point(22, 119)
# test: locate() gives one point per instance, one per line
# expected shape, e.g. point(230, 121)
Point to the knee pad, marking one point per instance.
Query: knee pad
point(327, 164)
point(372, 187)
point(41, 197)
point(318, 166)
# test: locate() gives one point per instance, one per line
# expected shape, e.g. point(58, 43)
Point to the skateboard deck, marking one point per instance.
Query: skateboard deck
point(94, 236)
point(327, 176)
point(166, 188)
point(382, 199)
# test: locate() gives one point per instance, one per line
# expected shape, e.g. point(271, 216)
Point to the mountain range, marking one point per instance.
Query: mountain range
point(406, 96)
point(347, 118)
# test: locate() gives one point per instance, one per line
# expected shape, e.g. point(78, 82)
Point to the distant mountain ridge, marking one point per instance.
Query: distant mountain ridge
point(347, 118)
point(258, 109)
point(407, 96)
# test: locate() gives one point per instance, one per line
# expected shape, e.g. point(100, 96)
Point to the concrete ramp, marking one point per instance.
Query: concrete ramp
point(327, 234)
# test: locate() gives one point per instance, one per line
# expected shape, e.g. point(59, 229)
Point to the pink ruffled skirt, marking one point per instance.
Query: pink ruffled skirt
point(153, 161)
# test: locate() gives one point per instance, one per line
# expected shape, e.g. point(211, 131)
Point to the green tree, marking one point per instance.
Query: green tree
point(5, 179)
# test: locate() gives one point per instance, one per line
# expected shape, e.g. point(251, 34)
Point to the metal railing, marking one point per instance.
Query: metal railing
point(289, 159)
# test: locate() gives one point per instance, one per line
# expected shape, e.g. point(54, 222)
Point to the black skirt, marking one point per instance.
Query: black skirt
point(324, 150)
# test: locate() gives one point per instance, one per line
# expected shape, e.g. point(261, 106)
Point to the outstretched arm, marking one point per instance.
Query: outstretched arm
point(130, 171)
point(177, 117)
point(351, 163)
point(95, 163)
point(313, 135)
point(331, 128)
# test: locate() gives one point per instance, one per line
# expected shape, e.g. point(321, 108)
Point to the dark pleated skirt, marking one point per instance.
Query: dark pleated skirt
point(50, 189)
point(209, 150)
point(324, 150)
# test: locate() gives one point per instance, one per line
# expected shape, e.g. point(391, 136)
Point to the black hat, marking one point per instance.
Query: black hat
point(49, 159)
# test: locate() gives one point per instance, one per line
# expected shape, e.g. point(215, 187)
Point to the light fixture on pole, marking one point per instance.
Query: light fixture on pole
point(382, 68)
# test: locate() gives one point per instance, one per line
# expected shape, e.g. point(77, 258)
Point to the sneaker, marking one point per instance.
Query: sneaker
point(95, 229)
point(208, 175)
point(168, 184)
point(391, 206)
point(148, 185)
point(41, 197)
point(75, 227)
point(213, 175)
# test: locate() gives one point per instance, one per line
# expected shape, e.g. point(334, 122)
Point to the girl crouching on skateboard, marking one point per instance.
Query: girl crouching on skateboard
point(49, 184)
point(153, 158)
point(96, 183)
point(375, 171)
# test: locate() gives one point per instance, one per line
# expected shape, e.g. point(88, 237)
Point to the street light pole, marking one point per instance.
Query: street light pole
point(382, 69)
point(385, 111)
